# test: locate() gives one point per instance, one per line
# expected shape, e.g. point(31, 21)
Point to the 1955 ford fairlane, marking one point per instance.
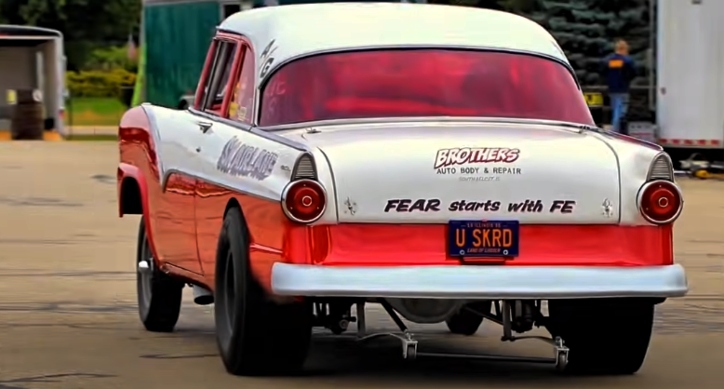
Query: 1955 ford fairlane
point(438, 161)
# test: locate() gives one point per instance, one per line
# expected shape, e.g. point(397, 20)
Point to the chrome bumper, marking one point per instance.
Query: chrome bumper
point(478, 282)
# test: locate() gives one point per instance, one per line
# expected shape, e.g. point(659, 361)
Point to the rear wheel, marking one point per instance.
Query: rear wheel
point(159, 296)
point(255, 335)
point(467, 321)
point(596, 330)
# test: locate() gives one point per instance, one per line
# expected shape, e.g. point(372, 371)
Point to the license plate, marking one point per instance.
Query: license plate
point(593, 99)
point(483, 238)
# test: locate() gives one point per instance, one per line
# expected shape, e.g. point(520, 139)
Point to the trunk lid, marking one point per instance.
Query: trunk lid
point(432, 173)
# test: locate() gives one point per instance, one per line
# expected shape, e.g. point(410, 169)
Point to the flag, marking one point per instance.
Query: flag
point(132, 50)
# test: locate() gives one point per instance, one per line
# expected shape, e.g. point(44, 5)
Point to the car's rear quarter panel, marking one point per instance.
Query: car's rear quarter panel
point(634, 158)
point(138, 164)
point(264, 219)
point(273, 237)
point(164, 187)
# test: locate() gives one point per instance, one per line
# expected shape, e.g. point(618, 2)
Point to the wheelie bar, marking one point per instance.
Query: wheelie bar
point(410, 352)
point(560, 358)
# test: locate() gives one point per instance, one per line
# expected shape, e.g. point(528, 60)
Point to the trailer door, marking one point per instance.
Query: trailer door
point(690, 63)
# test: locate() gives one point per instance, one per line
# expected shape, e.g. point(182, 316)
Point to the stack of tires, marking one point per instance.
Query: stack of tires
point(27, 119)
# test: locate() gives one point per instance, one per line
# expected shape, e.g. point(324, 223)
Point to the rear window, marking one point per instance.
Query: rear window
point(430, 82)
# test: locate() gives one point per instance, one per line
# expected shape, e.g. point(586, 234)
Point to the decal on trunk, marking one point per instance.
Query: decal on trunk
point(527, 206)
point(461, 162)
point(409, 205)
point(535, 206)
point(467, 155)
point(563, 206)
point(242, 160)
point(486, 206)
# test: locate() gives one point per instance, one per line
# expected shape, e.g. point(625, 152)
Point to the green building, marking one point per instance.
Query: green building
point(175, 36)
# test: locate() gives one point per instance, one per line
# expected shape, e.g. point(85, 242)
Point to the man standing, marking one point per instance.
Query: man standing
point(618, 70)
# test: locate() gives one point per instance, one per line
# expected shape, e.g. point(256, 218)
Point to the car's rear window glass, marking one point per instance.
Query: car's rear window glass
point(425, 82)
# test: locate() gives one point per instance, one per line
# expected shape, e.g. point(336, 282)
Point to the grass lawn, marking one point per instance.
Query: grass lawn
point(92, 137)
point(94, 111)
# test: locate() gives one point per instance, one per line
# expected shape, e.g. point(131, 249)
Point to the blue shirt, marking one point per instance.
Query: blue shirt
point(618, 71)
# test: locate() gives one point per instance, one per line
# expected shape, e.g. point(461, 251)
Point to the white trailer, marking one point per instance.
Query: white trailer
point(690, 77)
point(32, 58)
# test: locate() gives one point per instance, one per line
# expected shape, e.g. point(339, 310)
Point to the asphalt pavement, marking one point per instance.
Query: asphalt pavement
point(68, 312)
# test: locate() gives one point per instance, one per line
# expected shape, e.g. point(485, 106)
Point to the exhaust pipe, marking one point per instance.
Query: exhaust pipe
point(202, 296)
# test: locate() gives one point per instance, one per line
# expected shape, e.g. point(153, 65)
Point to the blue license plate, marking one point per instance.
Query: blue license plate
point(483, 238)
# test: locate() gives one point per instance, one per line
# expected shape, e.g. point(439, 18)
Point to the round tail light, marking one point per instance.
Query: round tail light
point(304, 201)
point(660, 202)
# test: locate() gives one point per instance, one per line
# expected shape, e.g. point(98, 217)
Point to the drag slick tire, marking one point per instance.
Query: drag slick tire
point(466, 322)
point(159, 296)
point(604, 336)
point(255, 336)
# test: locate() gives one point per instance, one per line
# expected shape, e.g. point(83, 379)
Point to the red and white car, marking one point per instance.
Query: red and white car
point(440, 161)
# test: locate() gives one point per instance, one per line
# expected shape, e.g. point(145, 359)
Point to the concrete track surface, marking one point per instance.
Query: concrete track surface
point(68, 311)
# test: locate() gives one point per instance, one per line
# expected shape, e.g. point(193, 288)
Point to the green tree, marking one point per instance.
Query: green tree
point(85, 24)
point(82, 19)
point(516, 6)
point(9, 12)
point(519, 6)
point(111, 57)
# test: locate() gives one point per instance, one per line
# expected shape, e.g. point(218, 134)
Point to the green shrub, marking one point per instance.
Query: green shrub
point(99, 83)
point(104, 58)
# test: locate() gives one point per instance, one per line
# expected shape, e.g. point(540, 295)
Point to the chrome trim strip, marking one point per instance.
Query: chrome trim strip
point(479, 282)
point(295, 170)
point(334, 185)
point(251, 129)
point(494, 49)
point(579, 127)
point(666, 156)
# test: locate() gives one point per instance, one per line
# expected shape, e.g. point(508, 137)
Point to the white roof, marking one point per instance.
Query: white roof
point(298, 30)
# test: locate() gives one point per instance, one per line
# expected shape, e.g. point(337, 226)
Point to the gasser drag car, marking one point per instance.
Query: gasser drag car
point(439, 161)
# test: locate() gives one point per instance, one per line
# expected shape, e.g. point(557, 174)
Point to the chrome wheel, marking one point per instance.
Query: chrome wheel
point(145, 267)
point(159, 295)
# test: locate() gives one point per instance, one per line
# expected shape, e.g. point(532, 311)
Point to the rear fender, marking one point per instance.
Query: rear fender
point(634, 158)
point(138, 159)
point(128, 174)
point(131, 175)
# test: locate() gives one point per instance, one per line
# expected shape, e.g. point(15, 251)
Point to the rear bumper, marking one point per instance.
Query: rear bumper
point(479, 282)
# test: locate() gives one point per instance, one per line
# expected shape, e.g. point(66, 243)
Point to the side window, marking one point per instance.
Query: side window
point(215, 88)
point(241, 106)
